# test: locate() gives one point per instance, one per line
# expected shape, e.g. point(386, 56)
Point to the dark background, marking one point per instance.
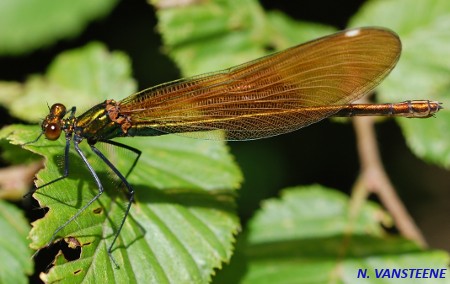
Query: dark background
point(323, 153)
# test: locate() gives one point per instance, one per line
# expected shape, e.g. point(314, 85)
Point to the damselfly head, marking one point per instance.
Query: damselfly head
point(52, 124)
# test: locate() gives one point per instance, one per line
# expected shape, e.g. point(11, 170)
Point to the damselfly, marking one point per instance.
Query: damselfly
point(276, 94)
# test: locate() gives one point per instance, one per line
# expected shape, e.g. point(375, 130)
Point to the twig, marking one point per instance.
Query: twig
point(373, 179)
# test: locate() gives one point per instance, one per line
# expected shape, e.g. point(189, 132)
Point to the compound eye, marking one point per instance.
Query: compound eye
point(52, 131)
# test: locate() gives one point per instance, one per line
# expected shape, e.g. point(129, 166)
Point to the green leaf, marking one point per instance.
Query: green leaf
point(310, 212)
point(189, 218)
point(182, 223)
point(309, 236)
point(423, 71)
point(26, 25)
point(14, 250)
point(80, 77)
point(221, 34)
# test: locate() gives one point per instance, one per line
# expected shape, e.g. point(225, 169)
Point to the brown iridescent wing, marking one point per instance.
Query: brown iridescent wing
point(272, 95)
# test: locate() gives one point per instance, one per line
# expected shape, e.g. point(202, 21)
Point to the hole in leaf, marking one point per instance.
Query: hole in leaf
point(77, 271)
point(97, 210)
point(34, 211)
point(70, 248)
point(72, 242)
point(44, 259)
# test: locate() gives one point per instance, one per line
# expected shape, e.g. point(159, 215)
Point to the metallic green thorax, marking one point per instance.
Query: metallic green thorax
point(96, 124)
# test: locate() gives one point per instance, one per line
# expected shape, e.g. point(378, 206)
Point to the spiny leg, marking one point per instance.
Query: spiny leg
point(66, 169)
point(130, 197)
point(100, 191)
point(132, 149)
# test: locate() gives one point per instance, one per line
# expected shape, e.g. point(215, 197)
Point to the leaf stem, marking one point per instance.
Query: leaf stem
point(374, 179)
